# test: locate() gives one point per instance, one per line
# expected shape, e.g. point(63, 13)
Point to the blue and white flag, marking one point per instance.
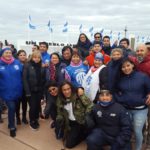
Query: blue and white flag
point(80, 28)
point(102, 31)
point(49, 26)
point(65, 28)
point(31, 26)
point(143, 39)
point(119, 34)
point(110, 35)
point(91, 29)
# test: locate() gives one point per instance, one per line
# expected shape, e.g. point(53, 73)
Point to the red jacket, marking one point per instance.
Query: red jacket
point(143, 66)
point(91, 57)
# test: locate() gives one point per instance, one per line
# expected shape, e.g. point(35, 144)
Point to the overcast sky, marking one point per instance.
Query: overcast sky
point(107, 14)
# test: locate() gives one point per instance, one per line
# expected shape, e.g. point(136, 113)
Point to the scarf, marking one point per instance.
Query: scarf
point(8, 61)
point(105, 104)
point(52, 70)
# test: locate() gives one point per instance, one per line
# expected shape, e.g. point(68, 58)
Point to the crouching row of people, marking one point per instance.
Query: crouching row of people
point(76, 118)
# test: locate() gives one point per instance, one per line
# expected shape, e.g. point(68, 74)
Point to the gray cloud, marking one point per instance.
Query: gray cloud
point(108, 14)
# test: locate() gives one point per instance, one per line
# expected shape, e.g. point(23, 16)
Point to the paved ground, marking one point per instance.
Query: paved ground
point(27, 139)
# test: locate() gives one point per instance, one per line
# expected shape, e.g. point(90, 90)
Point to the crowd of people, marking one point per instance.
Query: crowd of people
point(94, 91)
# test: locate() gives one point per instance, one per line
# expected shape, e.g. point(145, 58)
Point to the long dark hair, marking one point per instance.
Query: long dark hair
point(73, 90)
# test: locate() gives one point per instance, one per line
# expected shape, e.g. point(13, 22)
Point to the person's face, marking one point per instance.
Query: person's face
point(7, 55)
point(75, 50)
point(97, 63)
point(54, 59)
point(105, 97)
point(36, 59)
point(66, 90)
point(97, 37)
point(106, 42)
point(75, 59)
point(53, 90)
point(127, 68)
point(124, 44)
point(42, 48)
point(34, 48)
point(82, 38)
point(22, 57)
point(67, 54)
point(141, 51)
point(116, 55)
point(97, 48)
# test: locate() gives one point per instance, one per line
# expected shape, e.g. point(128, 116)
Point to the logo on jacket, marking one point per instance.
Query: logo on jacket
point(112, 115)
point(99, 114)
point(16, 67)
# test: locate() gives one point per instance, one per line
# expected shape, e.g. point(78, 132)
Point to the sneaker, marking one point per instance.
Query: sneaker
point(33, 126)
point(18, 121)
point(12, 132)
point(25, 121)
point(52, 124)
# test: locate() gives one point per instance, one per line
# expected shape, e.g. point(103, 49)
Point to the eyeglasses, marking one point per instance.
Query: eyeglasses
point(53, 89)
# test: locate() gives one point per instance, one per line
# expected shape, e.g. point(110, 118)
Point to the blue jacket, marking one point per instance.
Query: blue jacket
point(133, 89)
point(10, 80)
point(45, 58)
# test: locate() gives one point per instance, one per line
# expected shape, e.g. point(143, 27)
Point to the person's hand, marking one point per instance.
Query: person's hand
point(85, 62)
point(80, 91)
point(148, 100)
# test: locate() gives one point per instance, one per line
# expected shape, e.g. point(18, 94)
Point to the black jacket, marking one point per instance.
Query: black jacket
point(34, 78)
point(114, 120)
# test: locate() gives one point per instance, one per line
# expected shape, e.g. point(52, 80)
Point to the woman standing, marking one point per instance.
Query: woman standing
point(72, 107)
point(132, 91)
point(76, 71)
point(11, 85)
point(56, 69)
point(22, 57)
point(34, 80)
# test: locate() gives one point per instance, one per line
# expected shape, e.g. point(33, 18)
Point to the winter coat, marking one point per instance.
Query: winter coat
point(143, 66)
point(33, 81)
point(91, 57)
point(114, 120)
point(81, 106)
point(45, 57)
point(10, 80)
point(132, 90)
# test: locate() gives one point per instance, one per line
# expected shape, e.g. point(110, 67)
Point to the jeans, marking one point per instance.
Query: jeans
point(139, 118)
point(98, 138)
point(11, 113)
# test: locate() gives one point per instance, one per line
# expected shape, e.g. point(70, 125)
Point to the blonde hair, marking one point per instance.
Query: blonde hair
point(117, 50)
point(36, 53)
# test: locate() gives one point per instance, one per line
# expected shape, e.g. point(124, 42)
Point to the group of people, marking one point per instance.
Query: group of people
point(93, 91)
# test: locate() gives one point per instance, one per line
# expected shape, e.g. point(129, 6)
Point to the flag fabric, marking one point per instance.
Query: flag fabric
point(119, 35)
point(110, 35)
point(143, 39)
point(102, 31)
point(31, 26)
point(65, 28)
point(49, 26)
point(91, 29)
point(80, 28)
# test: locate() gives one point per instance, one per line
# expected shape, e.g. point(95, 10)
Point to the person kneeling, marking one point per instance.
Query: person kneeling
point(110, 124)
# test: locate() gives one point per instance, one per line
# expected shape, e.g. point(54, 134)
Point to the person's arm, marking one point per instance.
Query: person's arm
point(25, 80)
point(87, 103)
point(103, 78)
point(125, 129)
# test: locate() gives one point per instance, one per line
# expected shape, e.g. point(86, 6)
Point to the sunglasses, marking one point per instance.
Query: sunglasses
point(53, 89)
